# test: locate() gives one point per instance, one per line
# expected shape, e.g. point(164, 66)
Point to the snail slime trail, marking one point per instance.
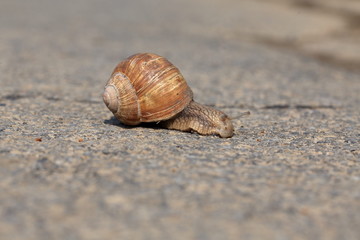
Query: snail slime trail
point(146, 87)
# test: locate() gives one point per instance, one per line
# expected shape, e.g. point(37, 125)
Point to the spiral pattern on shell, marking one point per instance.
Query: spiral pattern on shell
point(146, 88)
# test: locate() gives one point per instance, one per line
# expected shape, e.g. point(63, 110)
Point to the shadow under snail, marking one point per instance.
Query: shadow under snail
point(146, 87)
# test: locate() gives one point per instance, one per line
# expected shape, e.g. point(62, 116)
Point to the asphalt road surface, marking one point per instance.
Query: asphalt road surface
point(69, 170)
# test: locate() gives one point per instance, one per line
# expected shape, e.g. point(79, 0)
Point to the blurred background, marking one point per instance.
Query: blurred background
point(72, 45)
point(95, 31)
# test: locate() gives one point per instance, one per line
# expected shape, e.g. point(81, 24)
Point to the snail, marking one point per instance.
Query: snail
point(146, 87)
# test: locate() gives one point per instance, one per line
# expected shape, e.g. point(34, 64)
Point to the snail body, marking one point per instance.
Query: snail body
point(148, 88)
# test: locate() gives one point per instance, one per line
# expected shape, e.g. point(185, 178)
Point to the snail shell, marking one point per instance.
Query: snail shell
point(146, 88)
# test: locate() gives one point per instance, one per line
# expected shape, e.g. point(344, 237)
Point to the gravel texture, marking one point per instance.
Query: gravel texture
point(69, 170)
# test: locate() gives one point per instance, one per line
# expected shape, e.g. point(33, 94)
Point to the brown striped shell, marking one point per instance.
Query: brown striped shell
point(146, 88)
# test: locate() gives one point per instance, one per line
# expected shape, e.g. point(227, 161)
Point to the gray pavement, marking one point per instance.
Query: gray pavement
point(69, 170)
